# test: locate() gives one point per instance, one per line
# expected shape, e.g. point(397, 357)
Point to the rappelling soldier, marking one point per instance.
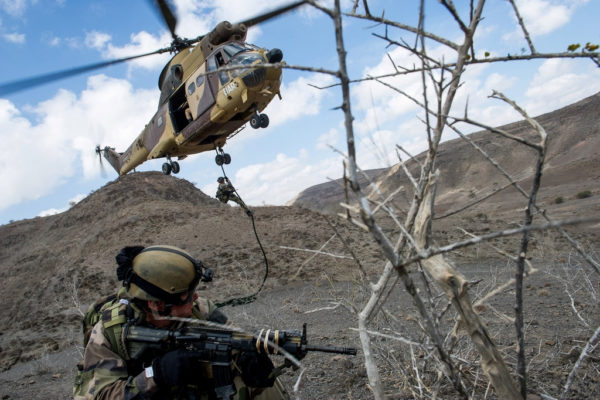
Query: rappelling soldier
point(226, 192)
point(159, 291)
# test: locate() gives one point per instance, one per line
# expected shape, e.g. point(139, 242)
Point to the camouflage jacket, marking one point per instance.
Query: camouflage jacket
point(106, 373)
point(224, 190)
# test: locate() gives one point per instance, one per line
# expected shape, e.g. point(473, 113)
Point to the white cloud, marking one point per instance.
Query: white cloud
point(278, 181)
point(542, 17)
point(299, 99)
point(37, 158)
point(239, 10)
point(72, 201)
point(52, 211)
point(194, 18)
point(330, 138)
point(54, 41)
point(18, 38)
point(16, 8)
point(141, 43)
point(557, 83)
point(97, 40)
point(371, 94)
point(379, 149)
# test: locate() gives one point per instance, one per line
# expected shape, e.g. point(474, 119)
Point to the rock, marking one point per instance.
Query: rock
point(343, 361)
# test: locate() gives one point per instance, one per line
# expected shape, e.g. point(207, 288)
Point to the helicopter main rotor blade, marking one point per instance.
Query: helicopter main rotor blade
point(167, 15)
point(272, 14)
point(26, 83)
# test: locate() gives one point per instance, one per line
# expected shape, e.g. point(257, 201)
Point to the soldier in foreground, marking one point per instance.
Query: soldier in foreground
point(159, 283)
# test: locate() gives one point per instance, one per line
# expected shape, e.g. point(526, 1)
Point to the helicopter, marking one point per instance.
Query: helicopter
point(212, 86)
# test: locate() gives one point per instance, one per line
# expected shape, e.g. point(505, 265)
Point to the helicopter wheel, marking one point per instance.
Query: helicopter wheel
point(263, 120)
point(255, 121)
point(226, 158)
point(219, 159)
point(175, 167)
point(166, 169)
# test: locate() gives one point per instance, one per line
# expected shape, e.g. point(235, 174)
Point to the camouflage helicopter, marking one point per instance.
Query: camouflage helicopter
point(212, 86)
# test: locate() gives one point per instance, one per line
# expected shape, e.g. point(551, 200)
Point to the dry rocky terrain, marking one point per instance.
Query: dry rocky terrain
point(52, 268)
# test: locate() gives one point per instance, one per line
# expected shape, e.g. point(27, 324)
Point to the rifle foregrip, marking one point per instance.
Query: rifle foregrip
point(332, 349)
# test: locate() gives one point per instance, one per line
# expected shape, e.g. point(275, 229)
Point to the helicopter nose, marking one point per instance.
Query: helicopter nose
point(275, 55)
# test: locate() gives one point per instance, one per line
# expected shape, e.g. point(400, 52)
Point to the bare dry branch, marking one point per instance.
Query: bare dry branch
point(586, 351)
point(522, 25)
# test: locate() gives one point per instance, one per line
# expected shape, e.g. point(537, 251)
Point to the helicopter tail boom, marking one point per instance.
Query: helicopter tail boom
point(111, 156)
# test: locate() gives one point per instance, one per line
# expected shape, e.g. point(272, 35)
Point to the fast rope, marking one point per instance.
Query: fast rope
point(251, 298)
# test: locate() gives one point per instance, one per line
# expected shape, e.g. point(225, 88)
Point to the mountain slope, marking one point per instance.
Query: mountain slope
point(572, 165)
point(53, 267)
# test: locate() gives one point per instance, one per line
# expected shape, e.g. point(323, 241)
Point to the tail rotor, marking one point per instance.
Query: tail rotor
point(99, 151)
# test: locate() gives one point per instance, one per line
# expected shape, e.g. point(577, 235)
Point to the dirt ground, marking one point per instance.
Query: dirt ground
point(555, 335)
point(52, 268)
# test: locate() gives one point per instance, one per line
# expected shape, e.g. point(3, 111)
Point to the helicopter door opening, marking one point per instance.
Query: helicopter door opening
point(177, 107)
point(212, 86)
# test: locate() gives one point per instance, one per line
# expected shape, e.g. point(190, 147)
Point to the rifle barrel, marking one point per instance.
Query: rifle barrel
point(332, 349)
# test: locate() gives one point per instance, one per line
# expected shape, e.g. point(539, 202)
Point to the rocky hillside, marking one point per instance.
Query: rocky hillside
point(52, 267)
point(572, 166)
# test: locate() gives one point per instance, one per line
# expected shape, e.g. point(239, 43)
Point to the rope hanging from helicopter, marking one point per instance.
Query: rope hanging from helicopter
point(250, 298)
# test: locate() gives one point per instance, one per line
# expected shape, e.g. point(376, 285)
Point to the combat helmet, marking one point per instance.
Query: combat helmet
point(220, 179)
point(160, 273)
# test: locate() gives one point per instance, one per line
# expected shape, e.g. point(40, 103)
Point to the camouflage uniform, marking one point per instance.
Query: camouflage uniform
point(106, 371)
point(225, 192)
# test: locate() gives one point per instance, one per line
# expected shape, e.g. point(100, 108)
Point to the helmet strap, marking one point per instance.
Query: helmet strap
point(155, 291)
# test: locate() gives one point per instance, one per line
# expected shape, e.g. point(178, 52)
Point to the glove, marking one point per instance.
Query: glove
point(218, 317)
point(175, 368)
point(256, 369)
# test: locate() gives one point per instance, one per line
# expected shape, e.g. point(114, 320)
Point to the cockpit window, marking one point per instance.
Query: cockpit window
point(212, 65)
point(244, 59)
point(224, 77)
point(219, 58)
point(232, 49)
point(247, 58)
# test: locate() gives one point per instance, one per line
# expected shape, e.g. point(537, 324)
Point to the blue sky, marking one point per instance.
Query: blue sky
point(49, 132)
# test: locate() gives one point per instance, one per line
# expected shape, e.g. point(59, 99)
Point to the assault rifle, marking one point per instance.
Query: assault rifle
point(215, 346)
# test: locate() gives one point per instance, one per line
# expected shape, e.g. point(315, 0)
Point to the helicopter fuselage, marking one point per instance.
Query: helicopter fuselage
point(204, 100)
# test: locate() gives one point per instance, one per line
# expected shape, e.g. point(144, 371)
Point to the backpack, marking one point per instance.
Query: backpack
point(113, 310)
point(93, 315)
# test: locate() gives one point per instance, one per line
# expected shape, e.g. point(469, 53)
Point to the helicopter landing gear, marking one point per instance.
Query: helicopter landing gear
point(170, 166)
point(259, 121)
point(222, 157)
